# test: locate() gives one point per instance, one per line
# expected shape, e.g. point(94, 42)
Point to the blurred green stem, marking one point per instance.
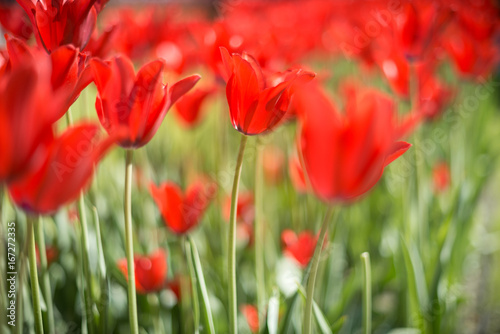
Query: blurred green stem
point(307, 324)
point(194, 289)
point(44, 272)
point(129, 244)
point(259, 232)
point(35, 293)
point(233, 325)
point(367, 293)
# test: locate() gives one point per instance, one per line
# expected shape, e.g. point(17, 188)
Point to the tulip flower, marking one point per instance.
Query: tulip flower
point(57, 23)
point(14, 20)
point(28, 108)
point(273, 160)
point(441, 177)
point(344, 155)
point(256, 104)
point(150, 271)
point(188, 107)
point(252, 317)
point(137, 103)
point(245, 208)
point(182, 212)
point(69, 71)
point(299, 247)
point(63, 171)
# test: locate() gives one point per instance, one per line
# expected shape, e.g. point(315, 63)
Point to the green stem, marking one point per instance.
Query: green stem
point(87, 284)
point(35, 293)
point(194, 290)
point(233, 324)
point(129, 245)
point(104, 298)
point(259, 233)
point(367, 293)
point(46, 291)
point(307, 325)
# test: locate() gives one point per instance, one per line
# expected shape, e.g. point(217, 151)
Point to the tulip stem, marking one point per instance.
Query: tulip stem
point(233, 324)
point(129, 245)
point(367, 293)
point(194, 289)
point(259, 233)
point(35, 293)
point(307, 325)
point(46, 291)
point(87, 284)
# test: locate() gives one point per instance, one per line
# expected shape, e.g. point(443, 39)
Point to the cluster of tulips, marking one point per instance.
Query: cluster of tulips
point(274, 61)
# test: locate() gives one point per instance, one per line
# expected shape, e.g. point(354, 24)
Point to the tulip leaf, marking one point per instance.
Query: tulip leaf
point(318, 315)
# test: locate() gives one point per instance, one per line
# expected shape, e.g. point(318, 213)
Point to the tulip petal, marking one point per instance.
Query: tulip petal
point(397, 150)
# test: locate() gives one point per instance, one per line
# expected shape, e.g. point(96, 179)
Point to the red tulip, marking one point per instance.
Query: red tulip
point(182, 212)
point(256, 104)
point(63, 171)
point(137, 103)
point(252, 316)
point(433, 97)
point(273, 160)
point(28, 108)
point(345, 155)
point(188, 107)
point(299, 247)
point(150, 271)
point(14, 20)
point(51, 252)
point(441, 177)
point(59, 23)
point(69, 72)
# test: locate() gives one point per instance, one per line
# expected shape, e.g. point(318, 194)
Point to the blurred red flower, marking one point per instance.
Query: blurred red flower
point(345, 155)
point(257, 103)
point(182, 212)
point(150, 271)
point(68, 66)
point(273, 160)
point(252, 316)
point(297, 174)
point(299, 247)
point(14, 20)
point(188, 107)
point(441, 177)
point(63, 171)
point(137, 103)
point(51, 252)
point(28, 108)
point(59, 23)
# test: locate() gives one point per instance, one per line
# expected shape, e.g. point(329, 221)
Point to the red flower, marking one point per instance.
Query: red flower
point(345, 155)
point(188, 107)
point(301, 247)
point(51, 252)
point(257, 104)
point(245, 210)
point(64, 170)
point(137, 103)
point(150, 271)
point(69, 72)
point(28, 108)
point(14, 20)
point(433, 98)
point(441, 177)
point(62, 22)
point(297, 174)
point(252, 316)
point(182, 212)
point(273, 160)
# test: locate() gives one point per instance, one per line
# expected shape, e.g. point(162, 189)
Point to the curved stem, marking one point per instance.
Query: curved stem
point(307, 324)
point(259, 233)
point(233, 324)
point(46, 291)
point(194, 289)
point(129, 245)
point(35, 293)
point(367, 293)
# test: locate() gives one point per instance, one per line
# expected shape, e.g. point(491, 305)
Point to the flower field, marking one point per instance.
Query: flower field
point(250, 167)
